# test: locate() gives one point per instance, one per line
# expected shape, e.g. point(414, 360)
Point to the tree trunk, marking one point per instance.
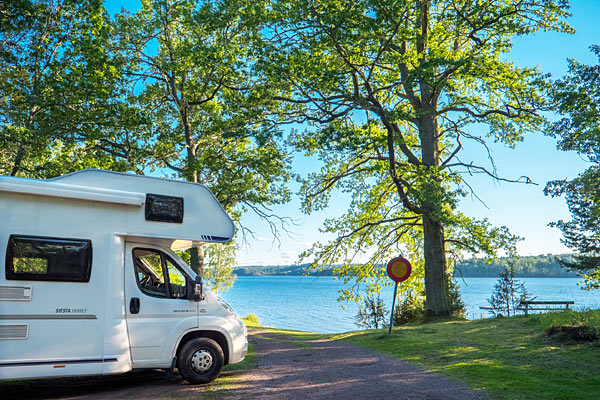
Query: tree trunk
point(436, 288)
point(196, 252)
point(197, 259)
point(436, 285)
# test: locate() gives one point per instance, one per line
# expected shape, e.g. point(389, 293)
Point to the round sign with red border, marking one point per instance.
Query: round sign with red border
point(399, 269)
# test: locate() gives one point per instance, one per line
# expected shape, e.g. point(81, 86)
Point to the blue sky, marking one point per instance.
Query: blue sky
point(522, 208)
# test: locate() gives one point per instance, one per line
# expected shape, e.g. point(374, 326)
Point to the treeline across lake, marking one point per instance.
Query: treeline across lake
point(547, 265)
point(542, 266)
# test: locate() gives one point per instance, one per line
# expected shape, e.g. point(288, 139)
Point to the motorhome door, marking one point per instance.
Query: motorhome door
point(157, 305)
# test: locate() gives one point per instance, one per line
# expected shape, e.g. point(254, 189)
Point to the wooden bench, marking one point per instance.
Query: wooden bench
point(526, 306)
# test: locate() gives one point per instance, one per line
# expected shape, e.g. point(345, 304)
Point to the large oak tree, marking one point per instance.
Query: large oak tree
point(394, 90)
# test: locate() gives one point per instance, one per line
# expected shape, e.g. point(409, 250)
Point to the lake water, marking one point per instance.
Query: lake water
point(310, 303)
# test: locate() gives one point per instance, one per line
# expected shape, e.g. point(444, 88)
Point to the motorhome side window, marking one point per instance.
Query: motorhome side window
point(157, 275)
point(34, 258)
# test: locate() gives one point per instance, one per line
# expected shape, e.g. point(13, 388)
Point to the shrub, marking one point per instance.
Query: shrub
point(411, 309)
point(372, 314)
point(252, 318)
point(455, 303)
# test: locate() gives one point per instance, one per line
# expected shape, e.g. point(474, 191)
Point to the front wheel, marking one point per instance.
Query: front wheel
point(200, 360)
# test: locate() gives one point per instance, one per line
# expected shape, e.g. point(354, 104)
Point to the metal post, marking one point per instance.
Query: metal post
point(392, 312)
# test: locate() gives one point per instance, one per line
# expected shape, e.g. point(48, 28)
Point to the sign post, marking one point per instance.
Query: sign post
point(398, 269)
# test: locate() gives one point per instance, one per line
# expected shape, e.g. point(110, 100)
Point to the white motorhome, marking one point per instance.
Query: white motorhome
point(91, 283)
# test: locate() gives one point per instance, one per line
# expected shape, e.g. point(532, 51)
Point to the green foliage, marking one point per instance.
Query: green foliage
point(219, 264)
point(577, 96)
point(410, 308)
point(219, 268)
point(455, 304)
point(391, 91)
point(508, 293)
point(190, 66)
point(372, 314)
point(59, 88)
point(206, 110)
point(252, 319)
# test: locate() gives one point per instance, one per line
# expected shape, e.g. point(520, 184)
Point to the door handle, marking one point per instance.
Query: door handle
point(134, 305)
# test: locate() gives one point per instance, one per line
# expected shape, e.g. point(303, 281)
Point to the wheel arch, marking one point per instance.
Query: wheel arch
point(217, 336)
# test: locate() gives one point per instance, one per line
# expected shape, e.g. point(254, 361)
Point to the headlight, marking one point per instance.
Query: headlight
point(225, 305)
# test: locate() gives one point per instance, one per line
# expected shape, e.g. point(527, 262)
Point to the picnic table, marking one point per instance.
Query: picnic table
point(537, 305)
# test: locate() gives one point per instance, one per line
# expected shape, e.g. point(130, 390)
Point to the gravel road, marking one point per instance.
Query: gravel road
point(288, 368)
point(328, 369)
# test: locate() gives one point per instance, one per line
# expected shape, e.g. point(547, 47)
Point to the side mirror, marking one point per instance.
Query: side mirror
point(195, 289)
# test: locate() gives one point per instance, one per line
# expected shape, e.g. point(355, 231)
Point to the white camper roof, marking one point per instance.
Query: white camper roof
point(145, 202)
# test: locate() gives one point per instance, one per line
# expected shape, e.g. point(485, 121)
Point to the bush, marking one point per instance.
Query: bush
point(455, 303)
point(411, 309)
point(252, 318)
point(372, 314)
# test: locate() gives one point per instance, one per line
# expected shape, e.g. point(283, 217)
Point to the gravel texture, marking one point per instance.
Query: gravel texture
point(288, 368)
point(327, 369)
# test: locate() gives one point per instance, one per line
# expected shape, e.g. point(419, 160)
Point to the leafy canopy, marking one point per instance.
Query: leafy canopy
point(577, 96)
point(191, 75)
point(59, 87)
point(394, 92)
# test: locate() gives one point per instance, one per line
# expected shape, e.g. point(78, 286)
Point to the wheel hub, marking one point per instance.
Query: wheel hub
point(202, 360)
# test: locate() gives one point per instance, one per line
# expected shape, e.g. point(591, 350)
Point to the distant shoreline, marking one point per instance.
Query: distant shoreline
point(541, 266)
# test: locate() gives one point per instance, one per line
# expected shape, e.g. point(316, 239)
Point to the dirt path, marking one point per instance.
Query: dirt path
point(326, 369)
point(288, 368)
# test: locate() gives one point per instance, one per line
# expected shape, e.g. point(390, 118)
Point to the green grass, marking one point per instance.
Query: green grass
point(508, 358)
point(568, 317)
point(253, 322)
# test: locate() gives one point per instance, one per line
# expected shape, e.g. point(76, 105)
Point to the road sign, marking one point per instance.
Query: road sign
point(399, 269)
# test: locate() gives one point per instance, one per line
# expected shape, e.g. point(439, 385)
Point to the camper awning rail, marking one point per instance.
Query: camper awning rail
point(62, 190)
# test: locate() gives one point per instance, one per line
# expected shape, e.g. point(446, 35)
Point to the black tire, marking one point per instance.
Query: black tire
point(200, 361)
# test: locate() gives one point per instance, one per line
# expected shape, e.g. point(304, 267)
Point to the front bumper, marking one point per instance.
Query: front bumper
point(239, 344)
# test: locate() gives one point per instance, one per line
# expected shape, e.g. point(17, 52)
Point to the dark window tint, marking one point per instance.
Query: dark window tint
point(48, 259)
point(153, 269)
point(164, 208)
